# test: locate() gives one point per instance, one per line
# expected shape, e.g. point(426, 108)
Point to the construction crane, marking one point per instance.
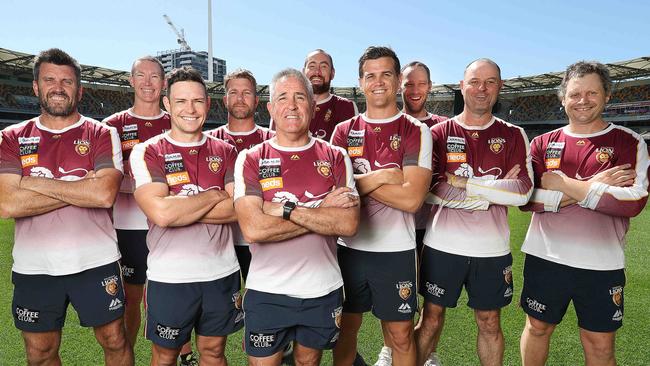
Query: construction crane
point(180, 35)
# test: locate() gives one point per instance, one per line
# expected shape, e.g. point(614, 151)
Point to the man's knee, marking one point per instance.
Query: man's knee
point(598, 346)
point(41, 350)
point(433, 316)
point(488, 321)
point(538, 328)
point(112, 336)
point(401, 334)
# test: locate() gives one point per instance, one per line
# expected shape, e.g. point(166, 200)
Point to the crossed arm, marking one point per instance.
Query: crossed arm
point(261, 221)
point(404, 190)
point(31, 196)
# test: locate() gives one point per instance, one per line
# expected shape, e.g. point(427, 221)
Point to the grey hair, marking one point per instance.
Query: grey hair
point(582, 68)
point(291, 73)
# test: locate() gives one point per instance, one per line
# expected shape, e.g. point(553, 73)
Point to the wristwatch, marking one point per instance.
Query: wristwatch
point(287, 208)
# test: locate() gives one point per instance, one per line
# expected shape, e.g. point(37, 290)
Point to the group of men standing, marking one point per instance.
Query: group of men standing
point(324, 216)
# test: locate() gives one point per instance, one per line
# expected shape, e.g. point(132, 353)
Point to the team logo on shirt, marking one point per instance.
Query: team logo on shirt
point(175, 170)
point(239, 140)
point(270, 174)
point(328, 115)
point(110, 285)
point(553, 155)
point(377, 129)
point(355, 143)
point(580, 143)
point(604, 154)
point(129, 136)
point(148, 124)
point(456, 150)
point(323, 168)
point(474, 135)
point(194, 151)
point(295, 157)
point(395, 142)
point(214, 163)
point(404, 289)
point(82, 147)
point(617, 295)
point(28, 150)
point(496, 144)
point(56, 137)
point(336, 314)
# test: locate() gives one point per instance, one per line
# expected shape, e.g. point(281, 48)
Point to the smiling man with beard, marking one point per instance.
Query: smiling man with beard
point(59, 174)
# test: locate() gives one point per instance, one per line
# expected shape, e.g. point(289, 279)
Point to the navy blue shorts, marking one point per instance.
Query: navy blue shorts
point(384, 282)
point(40, 301)
point(488, 280)
point(133, 247)
point(597, 295)
point(272, 321)
point(213, 308)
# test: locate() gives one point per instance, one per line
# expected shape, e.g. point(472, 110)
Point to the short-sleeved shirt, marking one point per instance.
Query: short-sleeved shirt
point(373, 144)
point(484, 155)
point(132, 130)
point(196, 252)
point(328, 113)
point(422, 215)
point(70, 239)
point(242, 140)
point(590, 234)
point(304, 266)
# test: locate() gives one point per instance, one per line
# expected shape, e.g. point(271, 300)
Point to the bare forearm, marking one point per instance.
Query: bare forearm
point(403, 197)
point(222, 213)
point(328, 220)
point(265, 228)
point(367, 183)
point(87, 192)
point(24, 203)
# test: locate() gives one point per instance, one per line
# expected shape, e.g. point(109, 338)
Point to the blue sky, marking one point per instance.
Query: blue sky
point(524, 37)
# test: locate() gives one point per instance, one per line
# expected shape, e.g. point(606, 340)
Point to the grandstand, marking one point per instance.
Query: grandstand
point(530, 101)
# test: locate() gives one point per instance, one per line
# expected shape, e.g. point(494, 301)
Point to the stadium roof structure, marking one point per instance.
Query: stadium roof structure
point(21, 64)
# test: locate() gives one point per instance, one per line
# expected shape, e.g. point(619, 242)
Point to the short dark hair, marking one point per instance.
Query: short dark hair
point(58, 57)
point(150, 59)
point(582, 68)
point(375, 52)
point(185, 73)
point(415, 64)
point(486, 60)
point(240, 74)
point(319, 50)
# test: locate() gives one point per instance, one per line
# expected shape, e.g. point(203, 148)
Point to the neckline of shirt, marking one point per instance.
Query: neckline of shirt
point(204, 137)
point(133, 114)
point(381, 120)
point(40, 126)
point(274, 144)
point(477, 128)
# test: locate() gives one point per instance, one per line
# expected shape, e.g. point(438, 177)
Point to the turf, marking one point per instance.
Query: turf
point(458, 344)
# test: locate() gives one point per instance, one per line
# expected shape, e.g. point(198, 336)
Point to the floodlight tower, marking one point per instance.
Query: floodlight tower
point(210, 62)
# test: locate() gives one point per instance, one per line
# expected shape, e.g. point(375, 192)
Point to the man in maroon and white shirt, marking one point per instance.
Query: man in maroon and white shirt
point(134, 125)
point(415, 87)
point(590, 178)
point(59, 174)
point(391, 156)
point(183, 184)
point(330, 109)
point(482, 166)
point(242, 133)
point(294, 194)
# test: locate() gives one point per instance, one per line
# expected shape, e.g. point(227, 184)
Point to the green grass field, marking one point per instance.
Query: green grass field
point(458, 339)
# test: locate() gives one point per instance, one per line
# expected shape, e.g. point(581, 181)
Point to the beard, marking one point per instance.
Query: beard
point(57, 109)
point(322, 88)
point(414, 108)
point(241, 113)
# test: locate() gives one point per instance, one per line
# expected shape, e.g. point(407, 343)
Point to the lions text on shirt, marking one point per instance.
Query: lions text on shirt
point(70, 239)
point(196, 252)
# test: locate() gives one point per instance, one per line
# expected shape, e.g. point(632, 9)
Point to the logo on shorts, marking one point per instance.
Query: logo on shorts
point(618, 315)
point(236, 299)
point(507, 275)
point(261, 340)
point(128, 271)
point(617, 295)
point(27, 315)
point(405, 309)
point(434, 289)
point(82, 147)
point(110, 284)
point(336, 314)
point(115, 304)
point(535, 305)
point(404, 289)
point(166, 332)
